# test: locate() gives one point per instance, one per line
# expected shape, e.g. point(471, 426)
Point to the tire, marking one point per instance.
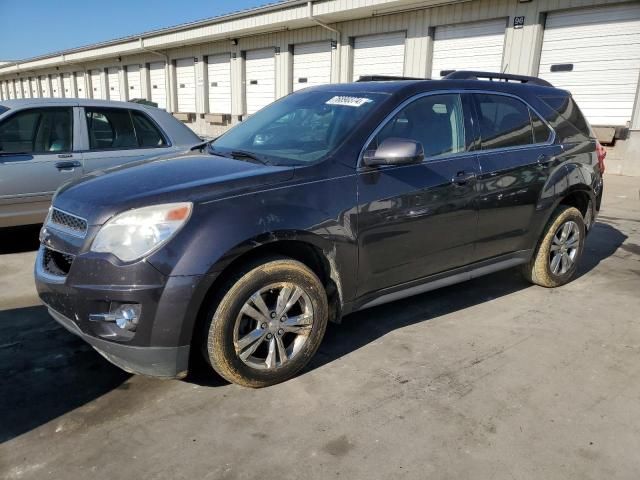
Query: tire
point(282, 347)
point(541, 270)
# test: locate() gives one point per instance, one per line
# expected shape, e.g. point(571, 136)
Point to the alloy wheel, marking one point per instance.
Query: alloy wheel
point(564, 248)
point(273, 325)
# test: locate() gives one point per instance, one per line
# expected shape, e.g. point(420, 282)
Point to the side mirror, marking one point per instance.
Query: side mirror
point(395, 151)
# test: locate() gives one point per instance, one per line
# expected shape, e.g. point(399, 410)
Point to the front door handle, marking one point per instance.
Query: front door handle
point(68, 166)
point(462, 178)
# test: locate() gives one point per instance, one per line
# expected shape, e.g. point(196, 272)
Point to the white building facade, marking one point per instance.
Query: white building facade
point(215, 72)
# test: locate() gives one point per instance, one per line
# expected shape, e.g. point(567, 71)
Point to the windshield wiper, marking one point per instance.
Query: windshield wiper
point(200, 146)
point(249, 155)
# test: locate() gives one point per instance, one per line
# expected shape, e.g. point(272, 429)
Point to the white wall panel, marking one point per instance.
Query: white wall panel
point(219, 83)
point(81, 86)
point(603, 45)
point(469, 46)
point(311, 64)
point(381, 54)
point(113, 83)
point(158, 84)
point(260, 79)
point(45, 86)
point(134, 82)
point(186, 85)
point(67, 86)
point(96, 85)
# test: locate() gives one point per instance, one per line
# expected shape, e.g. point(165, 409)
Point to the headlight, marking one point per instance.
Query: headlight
point(133, 234)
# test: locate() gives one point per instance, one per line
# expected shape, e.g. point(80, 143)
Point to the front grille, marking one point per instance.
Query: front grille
point(66, 221)
point(56, 263)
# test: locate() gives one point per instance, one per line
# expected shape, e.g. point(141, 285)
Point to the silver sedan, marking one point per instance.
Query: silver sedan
point(46, 142)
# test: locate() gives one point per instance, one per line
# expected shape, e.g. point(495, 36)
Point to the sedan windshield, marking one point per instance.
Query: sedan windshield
point(300, 128)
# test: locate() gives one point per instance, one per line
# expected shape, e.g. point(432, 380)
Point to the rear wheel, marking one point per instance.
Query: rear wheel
point(556, 259)
point(268, 324)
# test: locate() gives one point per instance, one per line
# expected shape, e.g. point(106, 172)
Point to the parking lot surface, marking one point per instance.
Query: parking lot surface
point(492, 378)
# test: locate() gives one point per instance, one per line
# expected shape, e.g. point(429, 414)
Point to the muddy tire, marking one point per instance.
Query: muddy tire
point(267, 323)
point(556, 258)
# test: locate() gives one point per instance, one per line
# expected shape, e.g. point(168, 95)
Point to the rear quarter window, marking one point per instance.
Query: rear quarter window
point(566, 118)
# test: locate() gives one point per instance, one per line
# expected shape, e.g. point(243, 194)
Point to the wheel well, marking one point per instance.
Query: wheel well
point(579, 200)
point(304, 252)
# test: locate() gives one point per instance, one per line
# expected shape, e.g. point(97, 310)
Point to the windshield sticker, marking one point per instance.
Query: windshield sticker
point(346, 101)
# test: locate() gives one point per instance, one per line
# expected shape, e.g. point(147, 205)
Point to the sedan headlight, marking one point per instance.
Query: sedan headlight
point(135, 233)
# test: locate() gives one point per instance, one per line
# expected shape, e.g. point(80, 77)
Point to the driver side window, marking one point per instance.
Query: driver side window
point(436, 121)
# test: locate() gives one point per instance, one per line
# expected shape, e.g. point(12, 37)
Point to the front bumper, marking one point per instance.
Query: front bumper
point(168, 362)
point(160, 344)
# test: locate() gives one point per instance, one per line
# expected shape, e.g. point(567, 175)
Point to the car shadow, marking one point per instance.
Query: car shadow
point(47, 371)
point(361, 328)
point(19, 239)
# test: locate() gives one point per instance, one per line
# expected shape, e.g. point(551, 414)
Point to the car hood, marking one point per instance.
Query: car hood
point(192, 177)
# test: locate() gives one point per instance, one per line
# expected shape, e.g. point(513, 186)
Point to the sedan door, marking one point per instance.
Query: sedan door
point(116, 136)
point(419, 219)
point(37, 155)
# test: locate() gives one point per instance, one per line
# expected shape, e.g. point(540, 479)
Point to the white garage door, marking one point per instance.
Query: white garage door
point(186, 81)
point(219, 78)
point(96, 85)
point(260, 67)
point(33, 81)
point(379, 55)
point(469, 46)
point(134, 85)
point(26, 89)
point(80, 85)
point(67, 86)
point(12, 90)
point(56, 86)
point(44, 86)
point(311, 65)
point(113, 83)
point(158, 84)
point(5, 92)
point(601, 46)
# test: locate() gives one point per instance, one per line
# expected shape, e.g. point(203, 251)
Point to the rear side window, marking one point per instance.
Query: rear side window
point(44, 130)
point(121, 129)
point(110, 129)
point(541, 132)
point(567, 119)
point(504, 121)
point(146, 131)
point(436, 121)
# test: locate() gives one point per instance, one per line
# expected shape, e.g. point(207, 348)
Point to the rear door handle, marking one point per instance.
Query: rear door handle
point(68, 166)
point(462, 178)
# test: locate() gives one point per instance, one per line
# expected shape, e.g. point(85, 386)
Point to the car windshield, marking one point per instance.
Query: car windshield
point(300, 128)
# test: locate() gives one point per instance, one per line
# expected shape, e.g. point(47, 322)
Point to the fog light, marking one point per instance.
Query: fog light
point(125, 316)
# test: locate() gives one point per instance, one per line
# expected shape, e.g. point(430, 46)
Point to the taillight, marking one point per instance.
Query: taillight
point(602, 153)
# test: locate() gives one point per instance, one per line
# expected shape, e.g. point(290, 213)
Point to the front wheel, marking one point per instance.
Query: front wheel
point(268, 324)
point(556, 259)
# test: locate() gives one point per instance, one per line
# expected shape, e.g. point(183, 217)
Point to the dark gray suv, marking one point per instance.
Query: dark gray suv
point(331, 200)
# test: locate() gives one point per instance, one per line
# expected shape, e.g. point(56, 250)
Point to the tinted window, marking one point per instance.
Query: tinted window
point(37, 131)
point(110, 129)
point(436, 121)
point(504, 121)
point(567, 119)
point(147, 133)
point(541, 132)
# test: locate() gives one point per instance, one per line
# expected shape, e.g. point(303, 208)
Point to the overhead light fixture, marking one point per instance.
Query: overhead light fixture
point(234, 41)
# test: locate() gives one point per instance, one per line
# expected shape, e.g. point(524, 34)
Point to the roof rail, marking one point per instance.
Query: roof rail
point(472, 75)
point(384, 78)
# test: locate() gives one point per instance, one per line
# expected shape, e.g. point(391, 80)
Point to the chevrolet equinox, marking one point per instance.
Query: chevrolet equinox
point(331, 200)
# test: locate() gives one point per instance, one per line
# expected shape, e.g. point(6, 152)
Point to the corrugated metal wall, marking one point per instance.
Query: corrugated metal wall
point(521, 54)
